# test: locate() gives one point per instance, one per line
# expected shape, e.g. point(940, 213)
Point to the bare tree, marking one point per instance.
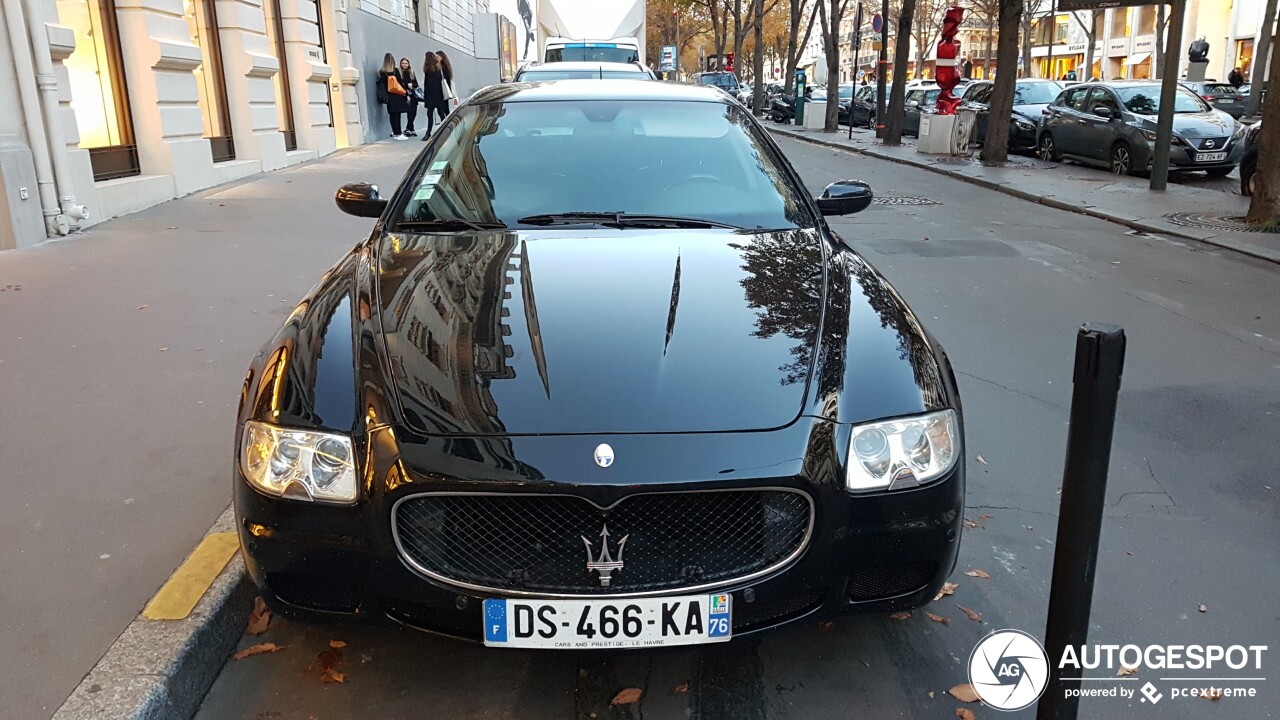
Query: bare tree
point(987, 12)
point(901, 48)
point(996, 146)
point(831, 43)
point(795, 45)
point(926, 29)
point(1091, 39)
point(1264, 206)
point(1027, 24)
point(757, 62)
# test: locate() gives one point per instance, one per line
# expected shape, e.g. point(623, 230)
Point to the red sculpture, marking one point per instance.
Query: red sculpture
point(948, 70)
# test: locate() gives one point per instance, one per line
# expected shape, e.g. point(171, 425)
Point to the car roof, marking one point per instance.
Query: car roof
point(593, 89)
point(581, 65)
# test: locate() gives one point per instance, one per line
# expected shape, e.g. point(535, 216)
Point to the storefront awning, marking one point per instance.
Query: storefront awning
point(1137, 59)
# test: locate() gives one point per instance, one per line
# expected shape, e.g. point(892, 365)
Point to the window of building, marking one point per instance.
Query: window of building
point(284, 101)
point(99, 96)
point(1120, 23)
point(211, 84)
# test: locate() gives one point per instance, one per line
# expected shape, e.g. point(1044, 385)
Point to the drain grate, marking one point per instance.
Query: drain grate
point(1209, 221)
point(904, 200)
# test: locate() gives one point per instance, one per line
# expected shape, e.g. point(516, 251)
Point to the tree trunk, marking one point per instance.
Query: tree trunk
point(794, 51)
point(1264, 206)
point(831, 44)
point(757, 63)
point(894, 119)
point(1026, 43)
point(1091, 37)
point(986, 60)
point(996, 146)
point(1158, 64)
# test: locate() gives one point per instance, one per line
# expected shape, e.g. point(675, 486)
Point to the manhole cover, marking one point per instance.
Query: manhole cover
point(904, 200)
point(1013, 162)
point(1208, 221)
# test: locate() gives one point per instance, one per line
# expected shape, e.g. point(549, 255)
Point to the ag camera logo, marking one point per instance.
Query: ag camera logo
point(1009, 669)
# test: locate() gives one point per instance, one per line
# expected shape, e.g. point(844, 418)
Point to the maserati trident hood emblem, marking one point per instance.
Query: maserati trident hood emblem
point(603, 563)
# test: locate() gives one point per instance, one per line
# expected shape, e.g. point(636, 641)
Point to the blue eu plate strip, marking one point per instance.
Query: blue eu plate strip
point(495, 620)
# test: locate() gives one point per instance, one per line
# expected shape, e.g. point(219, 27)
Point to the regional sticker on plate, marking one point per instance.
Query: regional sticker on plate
point(591, 624)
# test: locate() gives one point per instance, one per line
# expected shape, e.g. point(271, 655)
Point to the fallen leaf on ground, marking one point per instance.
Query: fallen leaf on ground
point(335, 644)
point(680, 689)
point(900, 616)
point(947, 589)
point(142, 307)
point(984, 516)
point(257, 650)
point(1204, 608)
point(931, 694)
point(970, 614)
point(971, 524)
point(259, 618)
point(328, 659)
point(965, 714)
point(964, 692)
point(626, 697)
point(938, 618)
point(982, 460)
point(978, 574)
point(1126, 552)
point(333, 676)
point(1212, 694)
point(825, 625)
point(1126, 670)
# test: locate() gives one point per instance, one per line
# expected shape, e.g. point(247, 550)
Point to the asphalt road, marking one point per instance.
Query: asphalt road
point(121, 362)
point(1192, 515)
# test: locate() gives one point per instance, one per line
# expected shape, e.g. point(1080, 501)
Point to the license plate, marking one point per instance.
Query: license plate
point(1210, 157)
point(608, 623)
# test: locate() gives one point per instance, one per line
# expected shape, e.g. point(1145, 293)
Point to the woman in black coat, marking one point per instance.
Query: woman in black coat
point(396, 103)
point(436, 92)
point(409, 82)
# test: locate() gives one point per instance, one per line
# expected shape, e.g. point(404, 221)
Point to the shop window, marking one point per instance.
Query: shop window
point(1120, 23)
point(99, 96)
point(210, 83)
point(284, 101)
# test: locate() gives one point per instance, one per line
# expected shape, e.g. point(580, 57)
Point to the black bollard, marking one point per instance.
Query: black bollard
point(1099, 361)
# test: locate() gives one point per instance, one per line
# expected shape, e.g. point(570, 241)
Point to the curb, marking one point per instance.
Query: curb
point(162, 669)
point(1134, 224)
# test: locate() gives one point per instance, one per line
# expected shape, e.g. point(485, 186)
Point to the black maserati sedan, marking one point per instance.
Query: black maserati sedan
point(600, 376)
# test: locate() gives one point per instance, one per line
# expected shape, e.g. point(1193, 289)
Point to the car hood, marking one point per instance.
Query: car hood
point(1031, 111)
point(1196, 125)
point(598, 331)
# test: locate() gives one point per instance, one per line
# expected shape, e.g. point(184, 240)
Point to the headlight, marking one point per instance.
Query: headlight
point(1024, 124)
point(903, 453)
point(1241, 128)
point(1151, 135)
point(298, 464)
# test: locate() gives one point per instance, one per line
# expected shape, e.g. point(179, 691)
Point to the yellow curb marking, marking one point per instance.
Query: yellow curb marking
point(180, 593)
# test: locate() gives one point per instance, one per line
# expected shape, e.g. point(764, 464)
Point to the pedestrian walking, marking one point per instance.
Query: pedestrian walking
point(392, 94)
point(409, 81)
point(1236, 78)
point(446, 67)
point(436, 91)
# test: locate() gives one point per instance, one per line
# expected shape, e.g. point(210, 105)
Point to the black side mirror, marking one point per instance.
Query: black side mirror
point(1102, 111)
point(360, 199)
point(845, 197)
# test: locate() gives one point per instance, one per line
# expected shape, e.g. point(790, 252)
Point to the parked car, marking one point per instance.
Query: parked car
point(1113, 125)
point(470, 425)
point(862, 107)
point(1223, 96)
point(1030, 98)
point(919, 100)
point(1249, 161)
point(538, 72)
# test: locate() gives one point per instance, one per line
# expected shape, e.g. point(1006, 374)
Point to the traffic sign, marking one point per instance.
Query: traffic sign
point(877, 22)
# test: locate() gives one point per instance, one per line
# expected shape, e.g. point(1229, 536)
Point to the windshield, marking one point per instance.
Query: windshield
point(1219, 90)
point(726, 81)
point(1145, 100)
point(498, 163)
point(846, 92)
point(1041, 93)
point(543, 75)
point(592, 53)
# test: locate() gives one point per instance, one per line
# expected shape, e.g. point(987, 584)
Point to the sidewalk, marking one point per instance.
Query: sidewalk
point(122, 354)
point(1125, 200)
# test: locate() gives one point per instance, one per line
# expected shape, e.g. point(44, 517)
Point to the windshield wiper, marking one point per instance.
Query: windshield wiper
point(622, 220)
point(447, 224)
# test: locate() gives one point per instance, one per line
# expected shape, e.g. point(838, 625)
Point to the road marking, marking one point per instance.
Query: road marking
point(178, 596)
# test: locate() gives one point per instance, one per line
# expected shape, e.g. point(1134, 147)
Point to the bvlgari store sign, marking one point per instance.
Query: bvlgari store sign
point(1146, 44)
point(1074, 48)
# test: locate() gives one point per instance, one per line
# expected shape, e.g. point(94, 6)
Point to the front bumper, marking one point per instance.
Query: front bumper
point(875, 553)
point(1182, 157)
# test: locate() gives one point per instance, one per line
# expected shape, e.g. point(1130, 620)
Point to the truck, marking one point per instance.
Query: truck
point(591, 30)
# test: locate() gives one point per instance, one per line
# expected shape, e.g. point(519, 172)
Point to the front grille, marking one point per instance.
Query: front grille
point(770, 611)
point(1204, 143)
point(314, 593)
point(538, 543)
point(886, 582)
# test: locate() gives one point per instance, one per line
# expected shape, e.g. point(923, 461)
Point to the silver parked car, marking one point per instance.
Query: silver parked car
point(1113, 125)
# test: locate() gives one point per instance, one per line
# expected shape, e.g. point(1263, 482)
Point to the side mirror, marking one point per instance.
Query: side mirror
point(1102, 111)
point(913, 103)
point(845, 197)
point(361, 200)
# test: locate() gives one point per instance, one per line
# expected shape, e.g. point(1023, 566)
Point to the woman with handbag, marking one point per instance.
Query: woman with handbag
point(446, 67)
point(396, 95)
point(409, 82)
point(436, 92)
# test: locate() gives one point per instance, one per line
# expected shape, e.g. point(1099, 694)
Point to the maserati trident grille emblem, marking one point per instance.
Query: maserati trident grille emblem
point(604, 564)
